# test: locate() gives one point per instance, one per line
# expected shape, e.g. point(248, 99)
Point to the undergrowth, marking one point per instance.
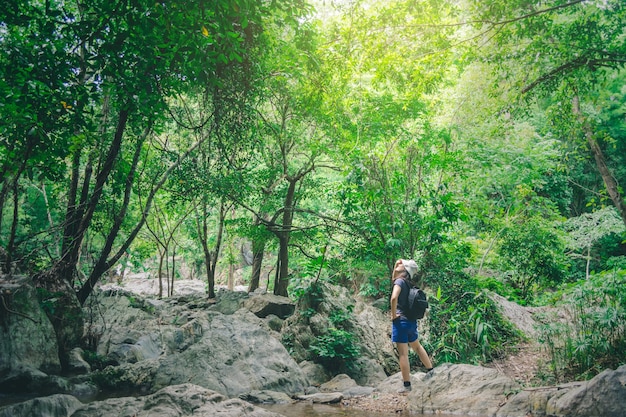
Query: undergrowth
point(588, 334)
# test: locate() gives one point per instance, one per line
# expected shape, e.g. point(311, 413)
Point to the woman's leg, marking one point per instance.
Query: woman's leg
point(403, 360)
point(421, 352)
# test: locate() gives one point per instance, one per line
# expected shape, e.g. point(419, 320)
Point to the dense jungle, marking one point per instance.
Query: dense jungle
point(292, 144)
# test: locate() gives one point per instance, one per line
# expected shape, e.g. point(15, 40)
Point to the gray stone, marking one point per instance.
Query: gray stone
point(357, 391)
point(58, 405)
point(274, 322)
point(230, 354)
point(266, 304)
point(393, 383)
point(228, 302)
point(27, 337)
point(322, 398)
point(174, 401)
point(340, 383)
point(532, 401)
point(370, 327)
point(461, 389)
point(77, 364)
point(602, 396)
point(367, 372)
point(315, 373)
point(266, 397)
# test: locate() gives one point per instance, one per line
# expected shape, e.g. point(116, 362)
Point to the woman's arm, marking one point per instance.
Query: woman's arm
point(395, 293)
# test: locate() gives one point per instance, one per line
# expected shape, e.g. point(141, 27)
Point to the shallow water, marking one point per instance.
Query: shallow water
point(299, 409)
point(304, 409)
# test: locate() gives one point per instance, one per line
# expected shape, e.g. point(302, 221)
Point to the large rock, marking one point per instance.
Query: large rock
point(602, 396)
point(371, 329)
point(265, 304)
point(174, 401)
point(339, 383)
point(461, 389)
point(473, 390)
point(58, 405)
point(161, 345)
point(27, 338)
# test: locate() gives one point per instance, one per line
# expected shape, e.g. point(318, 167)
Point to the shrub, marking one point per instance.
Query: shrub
point(468, 326)
point(594, 335)
point(335, 350)
point(533, 254)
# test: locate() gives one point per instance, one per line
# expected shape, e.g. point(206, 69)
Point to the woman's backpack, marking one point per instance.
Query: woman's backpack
point(417, 303)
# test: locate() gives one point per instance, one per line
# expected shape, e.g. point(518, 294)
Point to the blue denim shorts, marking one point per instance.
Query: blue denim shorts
point(404, 331)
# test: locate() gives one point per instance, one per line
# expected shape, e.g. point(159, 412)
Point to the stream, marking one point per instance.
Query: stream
point(298, 409)
point(304, 409)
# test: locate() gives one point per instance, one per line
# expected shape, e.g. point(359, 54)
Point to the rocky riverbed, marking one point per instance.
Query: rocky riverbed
point(187, 355)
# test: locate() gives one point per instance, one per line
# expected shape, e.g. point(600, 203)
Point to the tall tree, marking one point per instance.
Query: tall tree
point(99, 92)
point(564, 49)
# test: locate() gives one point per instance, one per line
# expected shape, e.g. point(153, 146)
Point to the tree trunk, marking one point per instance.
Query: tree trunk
point(258, 251)
point(231, 276)
point(210, 256)
point(60, 303)
point(11, 244)
point(282, 277)
point(609, 180)
point(281, 285)
point(104, 263)
point(162, 255)
point(171, 292)
point(13, 233)
point(56, 285)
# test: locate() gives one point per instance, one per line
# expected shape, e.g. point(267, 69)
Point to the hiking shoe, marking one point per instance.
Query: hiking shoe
point(404, 390)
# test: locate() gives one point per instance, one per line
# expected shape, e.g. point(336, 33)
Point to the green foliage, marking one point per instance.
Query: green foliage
point(372, 288)
point(533, 255)
point(141, 304)
point(592, 337)
point(467, 327)
point(96, 361)
point(590, 233)
point(335, 350)
point(340, 317)
point(307, 292)
point(48, 300)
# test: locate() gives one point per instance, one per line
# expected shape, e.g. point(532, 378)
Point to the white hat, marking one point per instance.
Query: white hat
point(410, 266)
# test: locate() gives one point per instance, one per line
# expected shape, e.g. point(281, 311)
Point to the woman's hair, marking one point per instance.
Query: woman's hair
point(404, 275)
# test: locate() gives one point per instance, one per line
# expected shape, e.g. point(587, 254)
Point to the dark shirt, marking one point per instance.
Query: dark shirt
point(403, 298)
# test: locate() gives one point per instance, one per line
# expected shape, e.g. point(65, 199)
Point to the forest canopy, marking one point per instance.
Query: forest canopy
point(299, 141)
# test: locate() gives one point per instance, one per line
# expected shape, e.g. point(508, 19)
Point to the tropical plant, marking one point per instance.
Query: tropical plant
point(593, 335)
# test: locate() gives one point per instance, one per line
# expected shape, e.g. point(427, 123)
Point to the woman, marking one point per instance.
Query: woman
point(404, 331)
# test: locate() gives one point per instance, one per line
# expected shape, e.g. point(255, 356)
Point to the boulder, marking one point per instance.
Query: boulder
point(77, 364)
point(174, 401)
point(230, 354)
point(228, 302)
point(602, 396)
point(322, 398)
point(370, 327)
point(266, 397)
point(58, 405)
point(266, 304)
point(461, 389)
point(393, 383)
point(339, 383)
point(27, 337)
point(315, 373)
